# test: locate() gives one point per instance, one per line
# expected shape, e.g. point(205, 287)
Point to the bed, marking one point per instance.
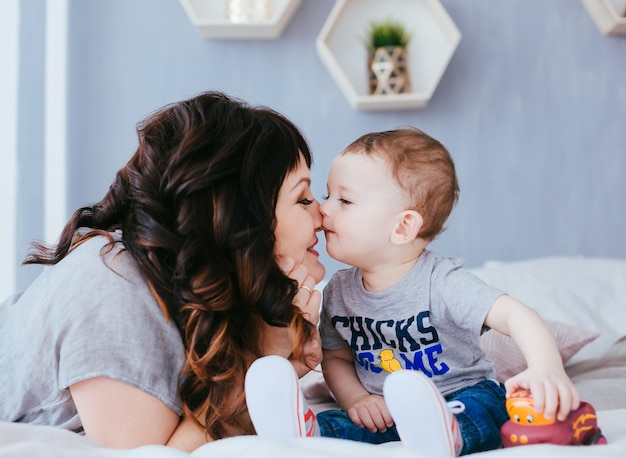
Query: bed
point(583, 300)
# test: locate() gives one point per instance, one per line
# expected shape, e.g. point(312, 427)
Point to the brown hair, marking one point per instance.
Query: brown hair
point(421, 166)
point(196, 208)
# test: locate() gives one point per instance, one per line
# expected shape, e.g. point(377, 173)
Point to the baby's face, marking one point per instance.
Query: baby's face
point(361, 210)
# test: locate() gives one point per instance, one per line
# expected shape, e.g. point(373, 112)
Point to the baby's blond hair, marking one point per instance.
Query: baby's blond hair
point(422, 167)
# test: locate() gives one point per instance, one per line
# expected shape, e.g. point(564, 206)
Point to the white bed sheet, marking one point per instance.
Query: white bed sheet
point(29, 441)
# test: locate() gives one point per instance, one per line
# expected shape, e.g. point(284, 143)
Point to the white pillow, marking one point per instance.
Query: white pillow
point(586, 292)
point(508, 359)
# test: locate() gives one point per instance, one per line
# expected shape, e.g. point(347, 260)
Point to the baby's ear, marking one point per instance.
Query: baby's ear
point(409, 224)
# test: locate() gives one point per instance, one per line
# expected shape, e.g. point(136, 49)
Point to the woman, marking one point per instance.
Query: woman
point(198, 260)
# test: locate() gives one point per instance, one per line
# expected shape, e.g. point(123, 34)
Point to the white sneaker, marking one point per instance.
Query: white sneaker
point(424, 420)
point(275, 403)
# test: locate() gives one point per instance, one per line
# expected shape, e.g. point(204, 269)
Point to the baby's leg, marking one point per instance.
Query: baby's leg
point(422, 416)
point(484, 415)
point(275, 403)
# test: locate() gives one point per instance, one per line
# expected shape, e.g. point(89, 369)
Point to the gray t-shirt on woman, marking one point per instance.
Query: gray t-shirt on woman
point(84, 317)
point(429, 321)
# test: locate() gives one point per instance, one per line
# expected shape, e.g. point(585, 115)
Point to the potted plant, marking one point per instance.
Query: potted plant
point(387, 43)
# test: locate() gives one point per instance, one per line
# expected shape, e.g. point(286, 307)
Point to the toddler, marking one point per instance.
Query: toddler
point(400, 329)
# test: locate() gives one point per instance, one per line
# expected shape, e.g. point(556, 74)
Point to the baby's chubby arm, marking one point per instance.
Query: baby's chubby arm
point(365, 409)
point(553, 391)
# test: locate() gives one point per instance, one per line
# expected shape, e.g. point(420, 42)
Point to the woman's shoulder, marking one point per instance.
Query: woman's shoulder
point(110, 319)
point(94, 279)
point(102, 259)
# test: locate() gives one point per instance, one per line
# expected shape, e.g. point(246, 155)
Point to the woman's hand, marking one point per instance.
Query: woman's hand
point(189, 435)
point(312, 353)
point(307, 299)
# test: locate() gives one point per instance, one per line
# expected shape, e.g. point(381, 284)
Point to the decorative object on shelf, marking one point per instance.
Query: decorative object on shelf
point(245, 19)
point(388, 58)
point(249, 10)
point(608, 15)
point(434, 39)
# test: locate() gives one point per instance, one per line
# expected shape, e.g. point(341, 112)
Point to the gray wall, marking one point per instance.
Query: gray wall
point(29, 220)
point(532, 107)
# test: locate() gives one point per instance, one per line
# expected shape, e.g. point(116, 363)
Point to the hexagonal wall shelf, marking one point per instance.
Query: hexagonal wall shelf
point(341, 47)
point(212, 20)
point(609, 15)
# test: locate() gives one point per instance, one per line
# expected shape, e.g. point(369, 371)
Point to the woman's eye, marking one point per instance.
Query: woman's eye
point(305, 201)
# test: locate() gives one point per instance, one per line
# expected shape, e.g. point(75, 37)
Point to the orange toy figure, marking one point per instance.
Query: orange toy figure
point(529, 427)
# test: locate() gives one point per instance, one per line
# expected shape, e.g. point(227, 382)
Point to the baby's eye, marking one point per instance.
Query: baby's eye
point(344, 201)
point(325, 197)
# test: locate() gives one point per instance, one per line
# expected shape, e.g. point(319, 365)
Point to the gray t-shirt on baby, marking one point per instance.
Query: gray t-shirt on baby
point(84, 317)
point(430, 321)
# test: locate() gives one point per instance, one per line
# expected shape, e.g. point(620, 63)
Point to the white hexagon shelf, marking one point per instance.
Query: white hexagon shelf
point(212, 19)
point(609, 15)
point(341, 47)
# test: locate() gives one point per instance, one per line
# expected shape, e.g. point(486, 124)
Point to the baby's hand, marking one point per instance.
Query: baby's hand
point(552, 390)
point(371, 412)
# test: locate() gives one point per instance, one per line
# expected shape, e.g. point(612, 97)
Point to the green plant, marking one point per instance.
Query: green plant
point(387, 33)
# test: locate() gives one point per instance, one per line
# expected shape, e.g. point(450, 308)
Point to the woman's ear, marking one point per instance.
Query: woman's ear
point(409, 225)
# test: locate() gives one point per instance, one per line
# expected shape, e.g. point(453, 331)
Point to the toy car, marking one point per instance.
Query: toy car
point(529, 427)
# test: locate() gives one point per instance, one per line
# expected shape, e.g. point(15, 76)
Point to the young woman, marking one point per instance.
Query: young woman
point(199, 259)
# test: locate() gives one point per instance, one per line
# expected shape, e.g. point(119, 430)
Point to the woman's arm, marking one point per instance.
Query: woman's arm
point(545, 376)
point(118, 415)
point(189, 436)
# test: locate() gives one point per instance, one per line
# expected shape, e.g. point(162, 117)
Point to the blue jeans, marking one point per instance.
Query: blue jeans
point(337, 424)
point(480, 422)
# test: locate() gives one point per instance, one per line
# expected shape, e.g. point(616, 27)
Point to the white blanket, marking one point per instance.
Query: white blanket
point(29, 441)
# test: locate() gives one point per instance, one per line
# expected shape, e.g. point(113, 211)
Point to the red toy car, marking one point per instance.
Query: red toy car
point(529, 427)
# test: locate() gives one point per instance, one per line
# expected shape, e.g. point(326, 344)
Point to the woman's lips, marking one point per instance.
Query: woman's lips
point(312, 250)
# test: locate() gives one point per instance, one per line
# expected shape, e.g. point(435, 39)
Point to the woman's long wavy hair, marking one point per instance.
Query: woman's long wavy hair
point(196, 208)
